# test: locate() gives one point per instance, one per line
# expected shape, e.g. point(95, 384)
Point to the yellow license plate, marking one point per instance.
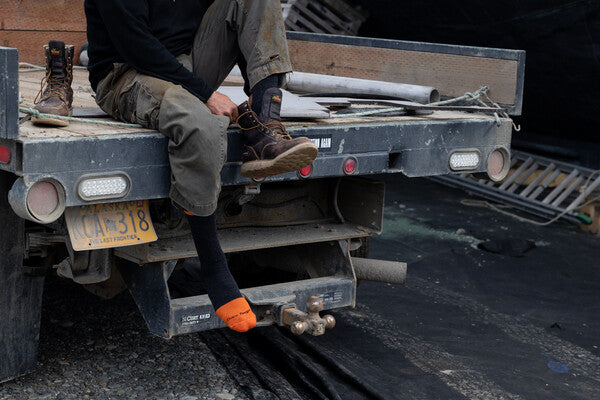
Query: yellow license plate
point(101, 226)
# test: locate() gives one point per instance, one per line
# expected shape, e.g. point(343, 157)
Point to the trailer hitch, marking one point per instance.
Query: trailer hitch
point(311, 322)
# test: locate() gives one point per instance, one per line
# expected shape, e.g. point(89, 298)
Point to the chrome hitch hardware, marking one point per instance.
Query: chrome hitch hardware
point(311, 322)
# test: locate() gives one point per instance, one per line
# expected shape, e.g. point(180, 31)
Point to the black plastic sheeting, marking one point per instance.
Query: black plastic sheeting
point(468, 323)
point(562, 40)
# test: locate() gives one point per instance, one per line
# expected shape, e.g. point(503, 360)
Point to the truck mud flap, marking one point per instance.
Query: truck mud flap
point(20, 296)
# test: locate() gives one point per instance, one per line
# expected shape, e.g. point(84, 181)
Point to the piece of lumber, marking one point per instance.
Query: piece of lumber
point(592, 211)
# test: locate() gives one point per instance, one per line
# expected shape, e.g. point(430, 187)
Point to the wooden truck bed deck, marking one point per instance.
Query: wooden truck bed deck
point(29, 86)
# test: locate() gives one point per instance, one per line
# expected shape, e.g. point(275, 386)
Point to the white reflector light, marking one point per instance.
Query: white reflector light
point(464, 160)
point(103, 188)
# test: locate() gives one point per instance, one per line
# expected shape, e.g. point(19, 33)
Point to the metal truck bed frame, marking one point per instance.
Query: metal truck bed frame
point(416, 145)
point(413, 145)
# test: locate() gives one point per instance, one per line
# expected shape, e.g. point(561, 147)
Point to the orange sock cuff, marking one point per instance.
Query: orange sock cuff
point(189, 213)
point(237, 315)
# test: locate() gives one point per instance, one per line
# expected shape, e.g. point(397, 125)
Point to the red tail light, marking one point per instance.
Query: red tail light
point(4, 155)
point(43, 199)
point(306, 171)
point(350, 165)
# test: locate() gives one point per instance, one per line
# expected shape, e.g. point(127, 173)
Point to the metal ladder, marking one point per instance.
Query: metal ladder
point(537, 185)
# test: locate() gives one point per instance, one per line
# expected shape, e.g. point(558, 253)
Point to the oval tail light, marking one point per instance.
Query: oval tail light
point(103, 187)
point(46, 200)
point(4, 155)
point(464, 160)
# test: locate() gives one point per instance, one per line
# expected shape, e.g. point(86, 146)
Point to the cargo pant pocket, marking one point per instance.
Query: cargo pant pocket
point(138, 105)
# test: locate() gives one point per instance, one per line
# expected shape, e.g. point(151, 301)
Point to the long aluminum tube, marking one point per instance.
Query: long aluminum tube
point(304, 82)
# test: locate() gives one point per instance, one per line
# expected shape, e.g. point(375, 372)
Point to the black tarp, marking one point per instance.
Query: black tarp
point(562, 40)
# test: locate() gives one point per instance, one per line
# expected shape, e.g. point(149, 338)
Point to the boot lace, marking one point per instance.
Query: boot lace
point(55, 86)
point(275, 128)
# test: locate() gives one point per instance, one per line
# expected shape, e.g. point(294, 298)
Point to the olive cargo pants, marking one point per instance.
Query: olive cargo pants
point(197, 147)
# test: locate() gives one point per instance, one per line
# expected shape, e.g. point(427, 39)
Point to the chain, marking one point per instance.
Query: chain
point(468, 96)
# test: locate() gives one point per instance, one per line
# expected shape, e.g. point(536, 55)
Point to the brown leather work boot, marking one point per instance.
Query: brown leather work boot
point(268, 148)
point(56, 96)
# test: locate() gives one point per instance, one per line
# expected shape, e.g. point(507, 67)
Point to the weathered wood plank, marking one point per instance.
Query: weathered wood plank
point(29, 86)
point(451, 74)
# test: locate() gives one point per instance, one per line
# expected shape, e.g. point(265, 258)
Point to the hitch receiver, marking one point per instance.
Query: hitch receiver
point(311, 322)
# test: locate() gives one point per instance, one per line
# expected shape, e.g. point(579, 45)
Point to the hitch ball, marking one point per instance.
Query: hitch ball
point(311, 322)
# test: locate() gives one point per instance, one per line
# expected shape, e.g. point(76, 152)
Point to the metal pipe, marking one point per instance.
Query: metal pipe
point(567, 192)
point(516, 174)
point(537, 180)
point(304, 82)
point(379, 270)
point(561, 186)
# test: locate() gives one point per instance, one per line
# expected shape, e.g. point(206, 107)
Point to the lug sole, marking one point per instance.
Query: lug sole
point(292, 160)
point(50, 121)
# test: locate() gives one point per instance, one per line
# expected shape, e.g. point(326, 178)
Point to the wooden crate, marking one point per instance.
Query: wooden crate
point(322, 16)
point(29, 24)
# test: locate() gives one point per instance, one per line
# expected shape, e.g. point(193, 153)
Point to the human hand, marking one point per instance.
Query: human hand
point(219, 104)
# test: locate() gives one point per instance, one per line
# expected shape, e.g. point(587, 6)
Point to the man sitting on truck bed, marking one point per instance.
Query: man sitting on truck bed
point(157, 63)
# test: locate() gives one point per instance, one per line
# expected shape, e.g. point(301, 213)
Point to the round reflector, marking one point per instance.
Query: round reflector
point(350, 166)
point(498, 164)
point(306, 171)
point(45, 199)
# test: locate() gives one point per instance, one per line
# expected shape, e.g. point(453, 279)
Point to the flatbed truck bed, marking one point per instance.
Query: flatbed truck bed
point(312, 225)
point(376, 142)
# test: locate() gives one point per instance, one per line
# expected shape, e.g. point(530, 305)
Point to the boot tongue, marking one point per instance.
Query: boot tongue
point(57, 58)
point(271, 105)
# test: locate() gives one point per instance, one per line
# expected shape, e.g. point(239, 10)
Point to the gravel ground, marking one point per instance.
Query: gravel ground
point(101, 349)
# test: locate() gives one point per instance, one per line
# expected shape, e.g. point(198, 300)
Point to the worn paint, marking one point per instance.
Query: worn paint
point(341, 146)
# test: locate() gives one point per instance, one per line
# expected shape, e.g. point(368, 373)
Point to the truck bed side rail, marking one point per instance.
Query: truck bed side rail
point(452, 69)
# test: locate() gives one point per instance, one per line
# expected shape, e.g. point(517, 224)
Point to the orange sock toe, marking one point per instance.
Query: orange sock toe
point(237, 315)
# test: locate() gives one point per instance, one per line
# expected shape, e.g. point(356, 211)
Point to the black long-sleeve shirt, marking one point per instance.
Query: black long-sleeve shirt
point(146, 34)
